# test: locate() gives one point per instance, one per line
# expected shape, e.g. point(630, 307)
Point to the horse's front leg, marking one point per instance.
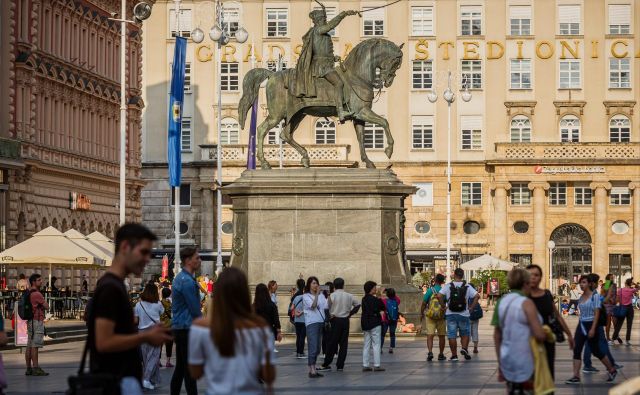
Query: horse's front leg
point(367, 115)
point(359, 127)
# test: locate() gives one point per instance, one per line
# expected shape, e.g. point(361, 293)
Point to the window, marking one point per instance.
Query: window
point(471, 74)
point(619, 18)
point(230, 20)
point(185, 195)
point(422, 74)
point(422, 127)
point(558, 193)
point(230, 132)
point(422, 21)
point(570, 74)
point(570, 129)
point(619, 73)
point(424, 196)
point(187, 77)
point(373, 22)
point(521, 227)
point(569, 19)
point(471, 194)
point(272, 65)
point(422, 227)
point(520, 20)
point(229, 76)
point(277, 22)
point(619, 129)
point(185, 139)
point(184, 21)
point(470, 20)
point(520, 194)
point(520, 73)
point(471, 132)
point(522, 260)
point(520, 129)
point(325, 131)
point(273, 135)
point(582, 194)
point(620, 194)
point(373, 136)
point(331, 13)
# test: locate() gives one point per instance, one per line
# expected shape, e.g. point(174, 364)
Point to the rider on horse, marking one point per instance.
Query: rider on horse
point(317, 60)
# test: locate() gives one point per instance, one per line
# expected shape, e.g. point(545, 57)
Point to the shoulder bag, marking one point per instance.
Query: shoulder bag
point(92, 383)
point(555, 326)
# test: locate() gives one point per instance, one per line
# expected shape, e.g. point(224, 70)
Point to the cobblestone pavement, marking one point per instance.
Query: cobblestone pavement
point(407, 372)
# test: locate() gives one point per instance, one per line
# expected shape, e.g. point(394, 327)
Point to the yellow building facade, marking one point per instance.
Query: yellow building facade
point(548, 147)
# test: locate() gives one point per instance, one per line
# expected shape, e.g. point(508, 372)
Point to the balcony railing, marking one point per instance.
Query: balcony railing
point(558, 152)
point(330, 154)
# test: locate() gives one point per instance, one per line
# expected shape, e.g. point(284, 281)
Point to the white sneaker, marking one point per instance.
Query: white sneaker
point(628, 343)
point(275, 350)
point(146, 384)
point(611, 342)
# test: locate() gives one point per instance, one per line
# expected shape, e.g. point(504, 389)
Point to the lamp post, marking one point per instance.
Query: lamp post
point(449, 96)
point(551, 245)
point(141, 12)
point(221, 36)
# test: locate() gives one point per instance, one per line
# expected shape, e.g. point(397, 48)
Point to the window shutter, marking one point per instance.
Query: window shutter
point(569, 13)
point(619, 14)
point(620, 190)
point(471, 9)
point(374, 15)
point(423, 120)
point(185, 20)
point(471, 122)
point(520, 12)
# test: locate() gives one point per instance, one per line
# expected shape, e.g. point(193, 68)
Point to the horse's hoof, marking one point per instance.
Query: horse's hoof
point(265, 165)
point(389, 151)
point(306, 162)
point(370, 165)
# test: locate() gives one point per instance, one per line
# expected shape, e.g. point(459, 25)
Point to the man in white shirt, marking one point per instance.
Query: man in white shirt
point(342, 305)
point(456, 294)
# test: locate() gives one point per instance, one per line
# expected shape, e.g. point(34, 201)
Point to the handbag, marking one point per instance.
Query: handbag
point(555, 326)
point(92, 383)
point(620, 311)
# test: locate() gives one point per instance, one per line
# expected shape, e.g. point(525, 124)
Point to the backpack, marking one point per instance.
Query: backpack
point(458, 297)
point(25, 308)
point(392, 310)
point(292, 310)
point(435, 309)
point(476, 313)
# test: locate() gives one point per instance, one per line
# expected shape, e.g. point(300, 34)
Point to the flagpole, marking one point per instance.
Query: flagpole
point(219, 16)
point(123, 110)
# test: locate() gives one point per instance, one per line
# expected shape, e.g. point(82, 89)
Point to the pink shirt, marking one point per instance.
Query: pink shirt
point(384, 315)
point(626, 294)
point(39, 305)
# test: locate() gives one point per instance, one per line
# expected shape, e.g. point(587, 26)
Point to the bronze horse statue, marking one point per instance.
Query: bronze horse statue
point(371, 64)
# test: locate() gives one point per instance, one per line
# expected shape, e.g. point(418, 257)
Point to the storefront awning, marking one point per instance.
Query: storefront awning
point(435, 254)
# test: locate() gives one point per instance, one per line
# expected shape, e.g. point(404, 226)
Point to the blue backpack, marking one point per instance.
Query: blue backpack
point(476, 313)
point(392, 310)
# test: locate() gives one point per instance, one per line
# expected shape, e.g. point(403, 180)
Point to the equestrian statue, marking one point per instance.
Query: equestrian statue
point(317, 88)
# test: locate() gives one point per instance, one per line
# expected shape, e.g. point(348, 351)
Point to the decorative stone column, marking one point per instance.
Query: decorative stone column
point(539, 189)
point(601, 232)
point(501, 239)
point(635, 187)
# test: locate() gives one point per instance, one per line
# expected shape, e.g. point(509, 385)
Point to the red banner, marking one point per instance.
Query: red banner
point(165, 266)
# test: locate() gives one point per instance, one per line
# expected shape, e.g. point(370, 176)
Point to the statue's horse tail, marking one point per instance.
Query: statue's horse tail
point(250, 90)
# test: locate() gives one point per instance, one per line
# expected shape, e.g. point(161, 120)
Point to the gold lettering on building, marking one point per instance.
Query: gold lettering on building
point(422, 49)
point(519, 44)
point(539, 52)
point(228, 51)
point(255, 53)
point(445, 53)
point(206, 56)
point(575, 52)
point(272, 53)
point(470, 50)
point(594, 49)
point(614, 51)
point(490, 50)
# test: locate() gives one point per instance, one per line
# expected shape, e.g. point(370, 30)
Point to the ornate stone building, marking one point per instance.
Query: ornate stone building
point(548, 148)
point(60, 114)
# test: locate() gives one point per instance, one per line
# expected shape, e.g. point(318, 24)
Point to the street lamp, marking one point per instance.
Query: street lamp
point(551, 245)
point(449, 96)
point(141, 12)
point(220, 36)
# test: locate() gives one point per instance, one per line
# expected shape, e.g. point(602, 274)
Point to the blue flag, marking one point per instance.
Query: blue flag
point(176, 97)
point(251, 154)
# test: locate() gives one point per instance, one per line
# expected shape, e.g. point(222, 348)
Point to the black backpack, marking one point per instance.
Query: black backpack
point(458, 297)
point(25, 308)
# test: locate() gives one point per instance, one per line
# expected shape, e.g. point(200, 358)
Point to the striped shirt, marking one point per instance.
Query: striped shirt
point(588, 307)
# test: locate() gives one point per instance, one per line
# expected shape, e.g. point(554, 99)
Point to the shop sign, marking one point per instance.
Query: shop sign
point(568, 169)
point(79, 201)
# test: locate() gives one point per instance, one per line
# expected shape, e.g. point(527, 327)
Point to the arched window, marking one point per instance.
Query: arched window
point(619, 129)
point(520, 129)
point(230, 131)
point(570, 129)
point(325, 131)
point(273, 135)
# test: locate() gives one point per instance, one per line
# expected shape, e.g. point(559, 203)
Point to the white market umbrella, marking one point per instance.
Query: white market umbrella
point(104, 243)
point(488, 262)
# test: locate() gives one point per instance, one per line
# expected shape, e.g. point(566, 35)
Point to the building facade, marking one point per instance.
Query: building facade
point(548, 147)
point(60, 117)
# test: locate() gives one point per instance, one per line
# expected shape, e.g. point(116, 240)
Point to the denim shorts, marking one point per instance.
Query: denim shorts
point(455, 323)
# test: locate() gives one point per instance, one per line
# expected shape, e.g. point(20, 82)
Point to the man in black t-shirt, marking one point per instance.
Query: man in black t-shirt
point(113, 338)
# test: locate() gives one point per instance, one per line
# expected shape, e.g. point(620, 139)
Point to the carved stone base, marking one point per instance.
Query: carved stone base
point(321, 222)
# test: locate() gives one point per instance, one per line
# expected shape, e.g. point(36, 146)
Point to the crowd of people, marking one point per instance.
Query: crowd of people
point(232, 346)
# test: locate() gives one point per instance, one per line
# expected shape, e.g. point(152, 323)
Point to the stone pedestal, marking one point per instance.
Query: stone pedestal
point(323, 222)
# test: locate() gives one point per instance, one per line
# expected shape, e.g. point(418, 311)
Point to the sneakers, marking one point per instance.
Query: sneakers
point(465, 354)
point(574, 380)
point(38, 372)
point(618, 367)
point(441, 357)
point(610, 342)
point(454, 358)
point(378, 369)
point(367, 369)
point(339, 369)
point(315, 375)
point(146, 384)
point(28, 372)
point(611, 376)
point(589, 370)
point(323, 368)
point(300, 356)
point(628, 343)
